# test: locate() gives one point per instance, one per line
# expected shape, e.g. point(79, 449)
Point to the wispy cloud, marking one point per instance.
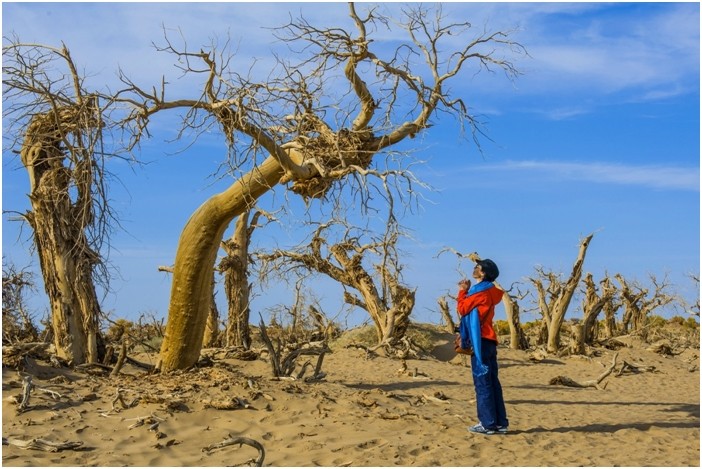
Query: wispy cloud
point(653, 176)
point(601, 48)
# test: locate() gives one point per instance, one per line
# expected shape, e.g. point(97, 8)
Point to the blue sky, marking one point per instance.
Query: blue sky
point(601, 133)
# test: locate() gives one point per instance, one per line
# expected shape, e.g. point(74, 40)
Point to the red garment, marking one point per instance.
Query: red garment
point(485, 301)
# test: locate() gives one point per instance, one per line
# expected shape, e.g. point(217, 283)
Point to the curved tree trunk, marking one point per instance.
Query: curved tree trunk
point(194, 264)
point(66, 259)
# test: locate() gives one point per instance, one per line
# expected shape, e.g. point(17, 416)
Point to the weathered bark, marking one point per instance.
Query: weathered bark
point(554, 309)
point(578, 339)
point(610, 322)
point(234, 266)
point(58, 222)
point(194, 264)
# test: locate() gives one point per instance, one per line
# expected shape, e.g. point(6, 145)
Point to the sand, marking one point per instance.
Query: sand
point(366, 412)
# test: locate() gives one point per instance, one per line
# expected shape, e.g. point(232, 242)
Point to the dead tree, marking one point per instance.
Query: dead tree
point(57, 127)
point(388, 302)
point(592, 304)
point(446, 314)
point(554, 299)
point(518, 339)
point(234, 266)
point(299, 326)
point(610, 309)
point(637, 302)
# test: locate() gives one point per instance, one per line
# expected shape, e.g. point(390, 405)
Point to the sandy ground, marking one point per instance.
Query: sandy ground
point(366, 412)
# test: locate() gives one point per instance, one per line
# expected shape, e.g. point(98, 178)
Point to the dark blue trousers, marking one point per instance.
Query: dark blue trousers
point(488, 390)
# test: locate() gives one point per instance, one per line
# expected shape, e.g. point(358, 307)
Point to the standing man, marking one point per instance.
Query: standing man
point(480, 300)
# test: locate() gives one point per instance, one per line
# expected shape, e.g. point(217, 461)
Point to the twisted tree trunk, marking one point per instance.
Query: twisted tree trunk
point(58, 221)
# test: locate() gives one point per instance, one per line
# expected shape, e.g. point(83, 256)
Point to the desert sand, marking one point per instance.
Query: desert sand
point(365, 412)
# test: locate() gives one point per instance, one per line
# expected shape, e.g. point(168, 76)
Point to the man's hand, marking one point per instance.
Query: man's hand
point(464, 284)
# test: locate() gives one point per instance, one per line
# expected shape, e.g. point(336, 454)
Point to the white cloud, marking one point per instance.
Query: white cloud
point(631, 49)
point(654, 176)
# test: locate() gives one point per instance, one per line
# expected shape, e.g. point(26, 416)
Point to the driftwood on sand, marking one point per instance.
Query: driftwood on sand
point(41, 444)
point(240, 440)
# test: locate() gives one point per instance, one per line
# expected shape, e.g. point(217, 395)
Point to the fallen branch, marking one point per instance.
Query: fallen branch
point(240, 440)
point(42, 444)
point(635, 367)
point(565, 381)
